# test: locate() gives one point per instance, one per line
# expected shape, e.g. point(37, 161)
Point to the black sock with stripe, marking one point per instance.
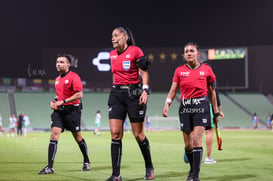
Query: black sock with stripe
point(84, 149)
point(189, 156)
point(197, 154)
point(52, 149)
point(145, 150)
point(116, 152)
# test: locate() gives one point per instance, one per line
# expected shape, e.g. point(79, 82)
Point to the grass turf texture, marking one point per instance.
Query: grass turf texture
point(247, 155)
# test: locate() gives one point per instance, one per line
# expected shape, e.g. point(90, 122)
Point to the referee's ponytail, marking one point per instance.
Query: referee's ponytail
point(128, 32)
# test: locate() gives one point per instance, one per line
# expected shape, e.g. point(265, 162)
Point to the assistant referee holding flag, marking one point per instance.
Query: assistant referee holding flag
point(67, 112)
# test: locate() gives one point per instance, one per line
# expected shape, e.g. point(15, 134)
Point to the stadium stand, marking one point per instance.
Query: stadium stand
point(235, 116)
point(254, 102)
point(36, 106)
point(4, 109)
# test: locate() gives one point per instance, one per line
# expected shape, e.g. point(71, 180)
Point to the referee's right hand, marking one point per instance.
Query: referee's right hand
point(165, 110)
point(53, 105)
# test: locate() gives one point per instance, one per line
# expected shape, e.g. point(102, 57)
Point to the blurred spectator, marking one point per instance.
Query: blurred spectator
point(1, 125)
point(26, 123)
point(97, 122)
point(148, 124)
point(12, 125)
point(20, 124)
point(255, 121)
point(268, 122)
point(125, 125)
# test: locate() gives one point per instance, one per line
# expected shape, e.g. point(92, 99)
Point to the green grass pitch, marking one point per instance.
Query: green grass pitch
point(247, 156)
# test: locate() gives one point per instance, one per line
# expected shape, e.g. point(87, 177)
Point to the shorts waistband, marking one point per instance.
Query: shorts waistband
point(195, 100)
point(115, 86)
point(70, 106)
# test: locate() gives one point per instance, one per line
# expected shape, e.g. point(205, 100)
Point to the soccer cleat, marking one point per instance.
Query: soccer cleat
point(189, 177)
point(210, 161)
point(46, 170)
point(86, 166)
point(186, 160)
point(149, 174)
point(114, 178)
point(195, 179)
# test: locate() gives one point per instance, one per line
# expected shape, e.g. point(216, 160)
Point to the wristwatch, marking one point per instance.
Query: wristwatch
point(216, 114)
point(147, 90)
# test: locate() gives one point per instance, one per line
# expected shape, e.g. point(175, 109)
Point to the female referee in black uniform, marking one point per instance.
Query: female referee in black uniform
point(67, 112)
point(195, 80)
point(128, 97)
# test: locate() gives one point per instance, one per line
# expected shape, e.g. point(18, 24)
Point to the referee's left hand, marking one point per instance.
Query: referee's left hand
point(143, 98)
point(52, 104)
point(55, 104)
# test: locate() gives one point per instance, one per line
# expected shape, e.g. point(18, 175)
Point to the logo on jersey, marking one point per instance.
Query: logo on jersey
point(204, 120)
point(202, 73)
point(127, 56)
point(66, 81)
point(114, 57)
point(185, 74)
point(57, 82)
point(126, 65)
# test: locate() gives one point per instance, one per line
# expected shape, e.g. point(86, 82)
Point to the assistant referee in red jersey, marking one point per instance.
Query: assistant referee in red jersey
point(128, 97)
point(66, 112)
point(195, 80)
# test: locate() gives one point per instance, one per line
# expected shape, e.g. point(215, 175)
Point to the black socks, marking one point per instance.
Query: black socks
point(145, 150)
point(197, 154)
point(52, 149)
point(83, 146)
point(116, 152)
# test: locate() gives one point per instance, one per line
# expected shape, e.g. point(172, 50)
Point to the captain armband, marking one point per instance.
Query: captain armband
point(169, 100)
point(143, 63)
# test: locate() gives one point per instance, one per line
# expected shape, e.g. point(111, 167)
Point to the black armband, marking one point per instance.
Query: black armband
point(214, 85)
point(143, 63)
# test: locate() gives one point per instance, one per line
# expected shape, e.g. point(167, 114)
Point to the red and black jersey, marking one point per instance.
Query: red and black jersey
point(124, 65)
point(193, 82)
point(67, 85)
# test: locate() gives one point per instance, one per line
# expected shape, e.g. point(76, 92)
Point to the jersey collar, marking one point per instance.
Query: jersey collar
point(65, 74)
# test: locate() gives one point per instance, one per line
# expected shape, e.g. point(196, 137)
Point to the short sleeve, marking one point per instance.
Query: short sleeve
point(176, 76)
point(211, 76)
point(77, 83)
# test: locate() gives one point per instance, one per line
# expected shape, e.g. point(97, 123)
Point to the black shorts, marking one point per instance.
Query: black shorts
point(194, 113)
point(123, 101)
point(67, 117)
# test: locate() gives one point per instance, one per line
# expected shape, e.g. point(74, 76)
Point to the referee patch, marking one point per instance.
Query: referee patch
point(126, 65)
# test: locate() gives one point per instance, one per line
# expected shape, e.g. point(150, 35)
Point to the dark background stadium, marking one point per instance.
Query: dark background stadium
point(29, 26)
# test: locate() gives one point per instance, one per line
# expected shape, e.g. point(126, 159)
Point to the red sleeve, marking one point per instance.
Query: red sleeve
point(77, 83)
point(139, 53)
point(176, 75)
point(211, 78)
